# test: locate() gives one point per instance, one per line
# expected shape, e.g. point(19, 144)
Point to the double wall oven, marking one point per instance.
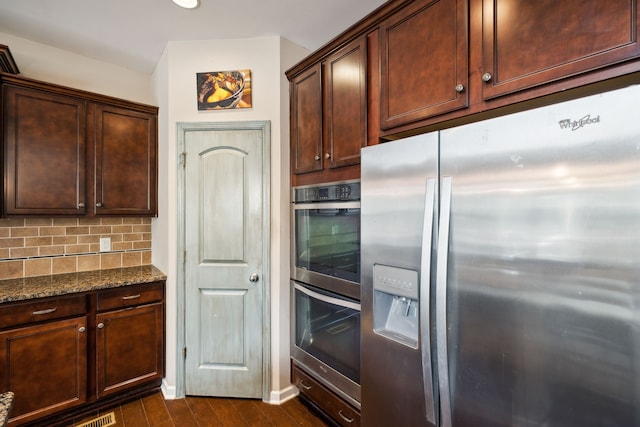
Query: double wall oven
point(326, 285)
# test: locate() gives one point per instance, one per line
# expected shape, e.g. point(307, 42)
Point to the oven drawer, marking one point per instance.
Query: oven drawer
point(340, 411)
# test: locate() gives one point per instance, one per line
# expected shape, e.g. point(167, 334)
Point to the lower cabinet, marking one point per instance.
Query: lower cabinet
point(46, 367)
point(65, 357)
point(323, 399)
point(129, 347)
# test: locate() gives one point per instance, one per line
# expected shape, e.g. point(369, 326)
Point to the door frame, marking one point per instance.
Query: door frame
point(181, 130)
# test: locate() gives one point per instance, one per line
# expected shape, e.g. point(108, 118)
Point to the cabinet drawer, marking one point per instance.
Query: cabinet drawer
point(40, 310)
point(332, 405)
point(129, 296)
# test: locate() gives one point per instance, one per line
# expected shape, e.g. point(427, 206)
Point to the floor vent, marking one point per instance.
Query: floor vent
point(102, 421)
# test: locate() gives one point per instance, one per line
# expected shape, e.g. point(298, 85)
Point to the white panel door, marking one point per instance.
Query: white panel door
point(223, 262)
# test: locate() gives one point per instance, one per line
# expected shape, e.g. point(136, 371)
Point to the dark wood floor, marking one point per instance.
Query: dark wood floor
point(154, 411)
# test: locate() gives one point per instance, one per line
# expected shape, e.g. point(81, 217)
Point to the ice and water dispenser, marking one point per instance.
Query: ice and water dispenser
point(396, 304)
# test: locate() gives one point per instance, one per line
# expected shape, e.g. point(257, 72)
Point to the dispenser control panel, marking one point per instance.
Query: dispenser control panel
point(395, 280)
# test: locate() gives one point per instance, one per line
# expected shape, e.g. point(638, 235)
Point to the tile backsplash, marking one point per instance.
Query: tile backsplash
point(41, 246)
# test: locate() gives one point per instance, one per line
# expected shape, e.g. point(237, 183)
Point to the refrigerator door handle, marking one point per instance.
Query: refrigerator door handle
point(441, 303)
point(425, 292)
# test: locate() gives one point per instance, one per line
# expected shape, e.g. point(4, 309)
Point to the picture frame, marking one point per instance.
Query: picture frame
point(224, 90)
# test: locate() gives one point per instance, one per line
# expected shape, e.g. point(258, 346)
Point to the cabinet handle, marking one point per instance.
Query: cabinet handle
point(327, 156)
point(304, 386)
point(131, 297)
point(81, 329)
point(98, 205)
point(317, 158)
point(486, 77)
point(460, 88)
point(100, 325)
point(47, 311)
point(344, 417)
point(81, 205)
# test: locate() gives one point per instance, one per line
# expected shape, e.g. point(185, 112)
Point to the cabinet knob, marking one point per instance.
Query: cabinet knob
point(316, 158)
point(98, 205)
point(254, 277)
point(486, 77)
point(327, 156)
point(81, 329)
point(100, 325)
point(460, 88)
point(81, 205)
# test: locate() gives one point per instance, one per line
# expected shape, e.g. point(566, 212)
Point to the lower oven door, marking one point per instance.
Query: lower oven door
point(326, 339)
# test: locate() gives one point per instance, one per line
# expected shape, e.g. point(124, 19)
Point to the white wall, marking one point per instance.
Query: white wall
point(175, 85)
point(172, 87)
point(49, 64)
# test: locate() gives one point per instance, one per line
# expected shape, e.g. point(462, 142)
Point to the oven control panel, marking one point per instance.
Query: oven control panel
point(338, 191)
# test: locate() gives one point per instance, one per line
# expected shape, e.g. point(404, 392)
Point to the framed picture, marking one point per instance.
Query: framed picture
point(224, 90)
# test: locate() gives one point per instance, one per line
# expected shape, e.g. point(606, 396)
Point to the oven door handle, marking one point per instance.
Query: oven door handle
point(325, 298)
point(327, 205)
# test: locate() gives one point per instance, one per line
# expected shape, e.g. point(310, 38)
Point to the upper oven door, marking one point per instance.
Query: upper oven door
point(326, 246)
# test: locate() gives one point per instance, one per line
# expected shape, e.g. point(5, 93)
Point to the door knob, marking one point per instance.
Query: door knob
point(254, 277)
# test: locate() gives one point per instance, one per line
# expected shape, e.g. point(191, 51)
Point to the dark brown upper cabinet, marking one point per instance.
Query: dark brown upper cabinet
point(329, 115)
point(44, 153)
point(345, 105)
point(69, 152)
point(529, 43)
point(125, 162)
point(424, 61)
point(306, 121)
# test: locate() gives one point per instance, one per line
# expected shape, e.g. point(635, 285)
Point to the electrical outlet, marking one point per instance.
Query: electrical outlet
point(105, 244)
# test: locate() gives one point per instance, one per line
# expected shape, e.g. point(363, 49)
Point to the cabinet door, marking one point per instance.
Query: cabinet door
point(306, 121)
point(424, 61)
point(528, 43)
point(45, 366)
point(345, 109)
point(125, 162)
point(129, 347)
point(44, 163)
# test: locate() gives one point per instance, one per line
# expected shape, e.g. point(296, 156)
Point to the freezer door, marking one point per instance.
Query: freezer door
point(398, 211)
point(543, 268)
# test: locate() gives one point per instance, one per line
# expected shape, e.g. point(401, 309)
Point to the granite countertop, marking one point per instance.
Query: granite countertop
point(61, 284)
point(6, 400)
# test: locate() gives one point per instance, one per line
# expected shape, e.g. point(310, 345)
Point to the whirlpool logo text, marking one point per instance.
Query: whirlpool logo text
point(578, 124)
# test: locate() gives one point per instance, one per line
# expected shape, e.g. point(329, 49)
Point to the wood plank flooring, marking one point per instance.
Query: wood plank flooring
point(154, 411)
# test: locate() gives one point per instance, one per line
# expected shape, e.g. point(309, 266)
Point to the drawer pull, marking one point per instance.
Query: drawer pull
point(344, 417)
point(304, 386)
point(131, 297)
point(47, 311)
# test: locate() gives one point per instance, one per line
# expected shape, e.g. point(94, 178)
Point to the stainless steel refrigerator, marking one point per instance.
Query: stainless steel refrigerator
point(501, 271)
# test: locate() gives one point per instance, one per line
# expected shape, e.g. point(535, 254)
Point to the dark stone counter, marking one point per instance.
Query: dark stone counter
point(6, 400)
point(62, 284)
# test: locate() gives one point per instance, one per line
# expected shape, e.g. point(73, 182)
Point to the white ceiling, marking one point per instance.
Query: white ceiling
point(133, 33)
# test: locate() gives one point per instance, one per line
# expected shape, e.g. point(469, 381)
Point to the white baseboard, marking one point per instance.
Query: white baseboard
point(278, 397)
point(168, 391)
